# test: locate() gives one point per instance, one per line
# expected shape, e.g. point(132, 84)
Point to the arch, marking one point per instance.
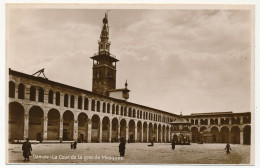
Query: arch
point(66, 100)
point(235, 135)
point(36, 123)
point(16, 121)
point(50, 97)
point(145, 132)
point(196, 122)
point(222, 121)
point(93, 104)
point(68, 125)
point(82, 127)
point(95, 131)
point(79, 102)
point(115, 132)
point(227, 121)
point(53, 128)
point(72, 101)
point(11, 89)
point(224, 134)
point(215, 134)
point(123, 128)
point(131, 131)
point(203, 128)
point(32, 93)
point(163, 133)
point(247, 135)
point(194, 134)
point(105, 129)
point(41, 95)
point(139, 131)
point(216, 121)
point(57, 98)
point(192, 121)
point(85, 103)
point(21, 90)
point(98, 106)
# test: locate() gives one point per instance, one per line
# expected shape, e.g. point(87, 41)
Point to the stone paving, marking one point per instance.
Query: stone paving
point(136, 153)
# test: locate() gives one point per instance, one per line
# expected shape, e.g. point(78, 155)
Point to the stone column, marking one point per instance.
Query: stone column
point(100, 132)
point(26, 126)
point(165, 132)
point(157, 136)
point(169, 134)
point(45, 127)
point(118, 129)
point(147, 134)
point(241, 120)
point(161, 134)
point(75, 130)
point(142, 134)
point(230, 121)
point(89, 131)
point(241, 137)
point(127, 132)
point(110, 131)
point(199, 121)
point(136, 132)
point(61, 129)
point(16, 91)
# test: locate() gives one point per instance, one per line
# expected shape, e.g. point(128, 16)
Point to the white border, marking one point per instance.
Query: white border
point(2, 66)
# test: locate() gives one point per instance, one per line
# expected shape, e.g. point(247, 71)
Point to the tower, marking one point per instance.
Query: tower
point(104, 64)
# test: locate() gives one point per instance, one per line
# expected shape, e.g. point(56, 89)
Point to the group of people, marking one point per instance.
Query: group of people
point(27, 147)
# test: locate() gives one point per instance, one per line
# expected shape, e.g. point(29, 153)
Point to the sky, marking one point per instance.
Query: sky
point(177, 60)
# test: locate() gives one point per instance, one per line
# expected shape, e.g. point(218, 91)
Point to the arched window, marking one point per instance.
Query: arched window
point(130, 112)
point(79, 102)
point(93, 104)
point(32, 93)
point(122, 111)
point(196, 122)
point(98, 106)
point(192, 121)
point(104, 107)
point(21, 91)
point(141, 114)
point(108, 108)
point(216, 121)
point(50, 97)
point(134, 113)
point(113, 109)
point(86, 104)
point(11, 89)
point(125, 111)
point(66, 100)
point(117, 110)
point(41, 95)
point(72, 101)
point(57, 98)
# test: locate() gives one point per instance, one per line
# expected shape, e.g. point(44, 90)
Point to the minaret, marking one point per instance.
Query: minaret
point(104, 64)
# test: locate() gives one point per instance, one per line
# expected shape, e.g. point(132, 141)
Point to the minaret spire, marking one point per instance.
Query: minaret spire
point(104, 44)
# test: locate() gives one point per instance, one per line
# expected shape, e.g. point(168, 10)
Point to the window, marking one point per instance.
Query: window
point(32, 93)
point(66, 100)
point(79, 102)
point(41, 95)
point(11, 89)
point(57, 98)
point(98, 106)
point(86, 104)
point(21, 91)
point(93, 105)
point(72, 101)
point(50, 97)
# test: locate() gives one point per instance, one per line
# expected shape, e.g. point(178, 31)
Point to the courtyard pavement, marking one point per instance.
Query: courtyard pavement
point(136, 153)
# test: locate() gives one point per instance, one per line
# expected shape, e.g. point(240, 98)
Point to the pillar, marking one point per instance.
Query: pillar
point(100, 132)
point(157, 138)
point(26, 126)
point(135, 132)
point(61, 129)
point(165, 132)
point(45, 127)
point(161, 135)
point(169, 134)
point(89, 131)
point(118, 128)
point(127, 132)
point(241, 137)
point(75, 130)
point(147, 133)
point(142, 134)
point(110, 131)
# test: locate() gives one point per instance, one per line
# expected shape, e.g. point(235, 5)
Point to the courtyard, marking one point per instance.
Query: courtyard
point(136, 153)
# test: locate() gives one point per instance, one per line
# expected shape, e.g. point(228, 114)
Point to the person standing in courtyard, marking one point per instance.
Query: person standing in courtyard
point(173, 144)
point(122, 147)
point(228, 148)
point(71, 145)
point(75, 144)
point(27, 148)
